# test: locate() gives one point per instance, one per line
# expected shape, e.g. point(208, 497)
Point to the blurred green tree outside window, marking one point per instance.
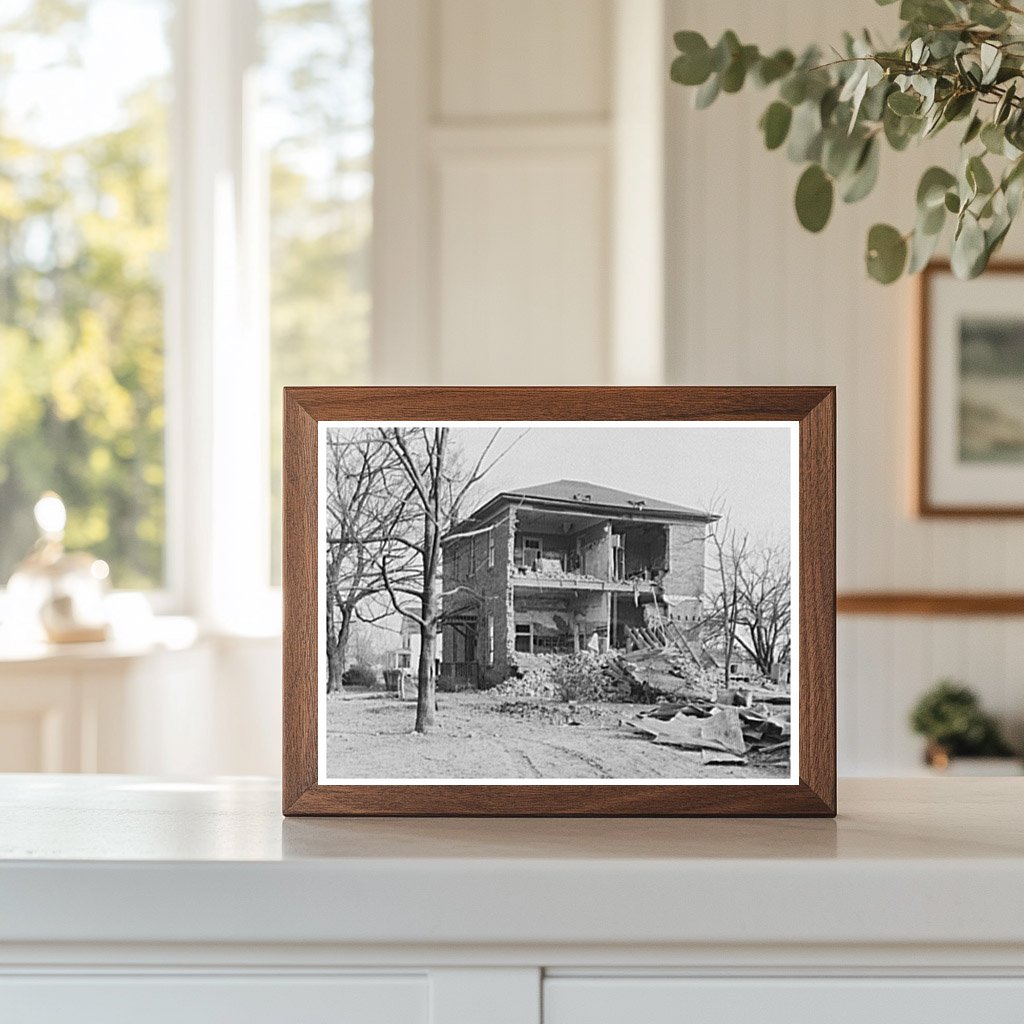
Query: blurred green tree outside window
point(317, 117)
point(84, 211)
point(83, 236)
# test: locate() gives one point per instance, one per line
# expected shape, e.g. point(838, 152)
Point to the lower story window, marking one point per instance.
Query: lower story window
point(524, 637)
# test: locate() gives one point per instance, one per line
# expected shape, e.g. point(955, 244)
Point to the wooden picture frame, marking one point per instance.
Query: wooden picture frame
point(811, 410)
point(940, 490)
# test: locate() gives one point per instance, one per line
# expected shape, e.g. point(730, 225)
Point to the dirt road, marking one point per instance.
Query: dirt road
point(482, 736)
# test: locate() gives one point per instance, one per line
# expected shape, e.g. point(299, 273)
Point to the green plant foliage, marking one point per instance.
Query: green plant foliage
point(814, 195)
point(950, 716)
point(887, 253)
point(956, 60)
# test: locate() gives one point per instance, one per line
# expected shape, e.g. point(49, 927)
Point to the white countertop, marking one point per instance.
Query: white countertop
point(120, 859)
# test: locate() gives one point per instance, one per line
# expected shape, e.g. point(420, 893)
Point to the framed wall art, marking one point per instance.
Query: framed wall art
point(970, 445)
point(559, 601)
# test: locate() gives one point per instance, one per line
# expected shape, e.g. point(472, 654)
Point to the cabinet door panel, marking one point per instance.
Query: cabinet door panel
point(202, 999)
point(783, 1001)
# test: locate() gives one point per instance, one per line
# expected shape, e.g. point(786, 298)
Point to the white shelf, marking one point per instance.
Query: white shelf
point(120, 859)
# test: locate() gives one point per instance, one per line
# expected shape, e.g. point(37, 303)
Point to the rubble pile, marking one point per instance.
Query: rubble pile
point(727, 729)
point(536, 677)
point(662, 672)
point(644, 675)
point(567, 677)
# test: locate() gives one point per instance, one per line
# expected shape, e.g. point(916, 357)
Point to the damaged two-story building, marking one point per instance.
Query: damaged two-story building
point(562, 567)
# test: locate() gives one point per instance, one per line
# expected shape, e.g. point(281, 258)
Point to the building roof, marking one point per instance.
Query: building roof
point(581, 495)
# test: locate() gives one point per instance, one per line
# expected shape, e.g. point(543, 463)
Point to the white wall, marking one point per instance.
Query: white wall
point(501, 158)
point(518, 240)
point(754, 299)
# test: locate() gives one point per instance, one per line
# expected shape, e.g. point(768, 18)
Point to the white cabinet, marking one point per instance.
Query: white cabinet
point(823, 1000)
point(129, 899)
point(202, 999)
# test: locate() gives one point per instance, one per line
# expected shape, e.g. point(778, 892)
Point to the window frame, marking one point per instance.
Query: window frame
point(216, 340)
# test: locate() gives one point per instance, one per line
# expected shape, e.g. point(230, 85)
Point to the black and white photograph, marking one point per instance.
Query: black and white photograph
point(557, 602)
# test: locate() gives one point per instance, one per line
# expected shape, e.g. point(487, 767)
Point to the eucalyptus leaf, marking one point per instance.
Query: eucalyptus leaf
point(1005, 105)
point(771, 69)
point(968, 254)
point(724, 51)
point(978, 176)
point(900, 130)
point(958, 105)
point(991, 60)
point(805, 133)
point(707, 93)
point(794, 88)
point(886, 253)
point(865, 173)
point(993, 138)
point(987, 15)
point(973, 130)
point(735, 74)
point(775, 124)
point(931, 190)
point(932, 221)
point(922, 248)
point(814, 196)
point(873, 106)
point(904, 103)
point(690, 70)
point(840, 152)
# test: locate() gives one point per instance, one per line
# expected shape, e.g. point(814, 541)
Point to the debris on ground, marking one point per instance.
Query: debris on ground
point(646, 675)
point(584, 676)
point(687, 705)
point(726, 732)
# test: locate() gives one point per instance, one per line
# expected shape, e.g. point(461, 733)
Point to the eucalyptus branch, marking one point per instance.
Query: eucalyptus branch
point(956, 61)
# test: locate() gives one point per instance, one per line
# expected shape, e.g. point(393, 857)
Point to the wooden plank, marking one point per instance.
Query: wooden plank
point(929, 603)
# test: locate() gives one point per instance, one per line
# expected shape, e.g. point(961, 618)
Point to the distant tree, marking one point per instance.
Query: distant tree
point(365, 516)
point(726, 551)
point(747, 606)
point(763, 605)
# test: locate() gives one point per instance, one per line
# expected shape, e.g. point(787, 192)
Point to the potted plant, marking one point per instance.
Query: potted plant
point(956, 62)
point(950, 718)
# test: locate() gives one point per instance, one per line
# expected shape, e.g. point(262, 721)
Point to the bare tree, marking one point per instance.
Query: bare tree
point(748, 603)
point(727, 552)
point(437, 484)
point(364, 512)
point(763, 606)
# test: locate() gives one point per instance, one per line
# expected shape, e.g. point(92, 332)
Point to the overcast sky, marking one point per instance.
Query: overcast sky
point(748, 467)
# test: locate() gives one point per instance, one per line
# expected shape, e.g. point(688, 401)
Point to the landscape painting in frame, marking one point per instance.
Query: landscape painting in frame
point(551, 602)
point(972, 393)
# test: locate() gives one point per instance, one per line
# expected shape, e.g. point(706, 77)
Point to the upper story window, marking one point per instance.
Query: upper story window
point(490, 549)
point(84, 171)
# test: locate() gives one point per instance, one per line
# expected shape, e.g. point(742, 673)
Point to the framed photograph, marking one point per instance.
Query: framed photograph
point(559, 601)
point(970, 450)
